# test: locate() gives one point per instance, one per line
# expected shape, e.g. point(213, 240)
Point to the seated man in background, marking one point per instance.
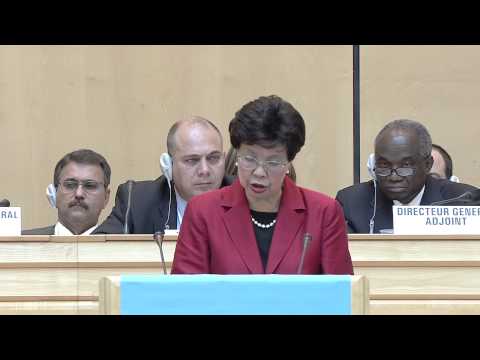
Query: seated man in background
point(442, 164)
point(403, 162)
point(195, 164)
point(81, 179)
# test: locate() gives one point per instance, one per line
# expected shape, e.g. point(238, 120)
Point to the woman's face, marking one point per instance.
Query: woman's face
point(261, 172)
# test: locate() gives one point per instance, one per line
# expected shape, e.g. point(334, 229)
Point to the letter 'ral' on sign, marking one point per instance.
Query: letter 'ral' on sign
point(10, 221)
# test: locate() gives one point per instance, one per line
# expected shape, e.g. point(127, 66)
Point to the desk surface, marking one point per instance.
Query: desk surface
point(149, 237)
point(406, 273)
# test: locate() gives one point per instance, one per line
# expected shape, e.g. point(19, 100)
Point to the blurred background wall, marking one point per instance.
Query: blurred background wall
point(121, 100)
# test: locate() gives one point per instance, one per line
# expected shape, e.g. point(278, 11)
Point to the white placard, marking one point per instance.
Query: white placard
point(10, 221)
point(171, 232)
point(435, 220)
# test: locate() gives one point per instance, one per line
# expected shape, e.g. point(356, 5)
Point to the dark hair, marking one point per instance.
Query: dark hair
point(83, 156)
point(421, 131)
point(231, 168)
point(446, 157)
point(268, 121)
point(193, 120)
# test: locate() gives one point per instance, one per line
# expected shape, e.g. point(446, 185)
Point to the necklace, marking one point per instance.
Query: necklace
point(264, 226)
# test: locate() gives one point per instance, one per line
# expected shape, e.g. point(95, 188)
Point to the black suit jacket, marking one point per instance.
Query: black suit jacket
point(357, 202)
point(148, 208)
point(47, 230)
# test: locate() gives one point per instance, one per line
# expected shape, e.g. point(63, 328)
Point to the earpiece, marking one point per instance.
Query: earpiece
point(371, 166)
point(454, 179)
point(166, 166)
point(371, 171)
point(51, 193)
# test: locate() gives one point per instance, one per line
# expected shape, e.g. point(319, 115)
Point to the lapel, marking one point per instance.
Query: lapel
point(289, 222)
point(161, 211)
point(383, 215)
point(432, 192)
point(238, 224)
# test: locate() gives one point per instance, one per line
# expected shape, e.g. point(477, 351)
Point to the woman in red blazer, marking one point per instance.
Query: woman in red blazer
point(263, 222)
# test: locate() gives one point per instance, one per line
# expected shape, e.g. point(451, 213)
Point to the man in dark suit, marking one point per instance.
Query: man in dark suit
point(195, 164)
point(401, 177)
point(81, 179)
point(442, 164)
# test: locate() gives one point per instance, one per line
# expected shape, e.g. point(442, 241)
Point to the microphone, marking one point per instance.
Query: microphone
point(470, 197)
point(126, 229)
point(306, 240)
point(4, 203)
point(372, 219)
point(158, 237)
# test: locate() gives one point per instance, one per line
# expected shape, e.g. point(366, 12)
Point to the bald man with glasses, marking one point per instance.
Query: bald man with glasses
point(81, 179)
point(402, 167)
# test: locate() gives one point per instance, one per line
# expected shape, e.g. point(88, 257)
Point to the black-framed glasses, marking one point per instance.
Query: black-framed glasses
point(89, 186)
point(251, 163)
point(401, 171)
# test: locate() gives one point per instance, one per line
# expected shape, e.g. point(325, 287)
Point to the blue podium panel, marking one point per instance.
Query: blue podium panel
point(235, 294)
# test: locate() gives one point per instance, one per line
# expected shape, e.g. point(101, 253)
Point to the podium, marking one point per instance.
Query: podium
point(234, 295)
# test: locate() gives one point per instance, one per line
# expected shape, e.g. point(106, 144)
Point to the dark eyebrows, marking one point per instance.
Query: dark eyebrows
point(197, 156)
point(216, 152)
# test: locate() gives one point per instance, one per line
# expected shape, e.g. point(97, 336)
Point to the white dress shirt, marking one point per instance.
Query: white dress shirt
point(62, 230)
point(415, 201)
point(181, 206)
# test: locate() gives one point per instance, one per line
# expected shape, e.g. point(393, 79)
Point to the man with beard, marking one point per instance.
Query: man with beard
point(81, 181)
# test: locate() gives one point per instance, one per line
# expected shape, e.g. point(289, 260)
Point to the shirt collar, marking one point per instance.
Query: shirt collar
point(60, 229)
point(415, 201)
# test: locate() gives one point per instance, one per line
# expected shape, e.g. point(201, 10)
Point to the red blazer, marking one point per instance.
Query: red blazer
point(217, 235)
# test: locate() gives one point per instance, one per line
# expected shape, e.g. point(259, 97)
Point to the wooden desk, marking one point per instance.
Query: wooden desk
point(41, 274)
point(406, 274)
point(419, 274)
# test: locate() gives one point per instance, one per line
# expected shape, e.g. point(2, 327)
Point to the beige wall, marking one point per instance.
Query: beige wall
point(436, 85)
point(121, 100)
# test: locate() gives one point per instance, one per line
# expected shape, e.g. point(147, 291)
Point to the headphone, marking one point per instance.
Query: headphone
point(51, 193)
point(166, 167)
point(371, 166)
point(371, 171)
point(454, 178)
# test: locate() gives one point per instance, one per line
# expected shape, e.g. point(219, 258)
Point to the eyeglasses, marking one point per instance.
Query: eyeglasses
point(89, 186)
point(401, 171)
point(250, 163)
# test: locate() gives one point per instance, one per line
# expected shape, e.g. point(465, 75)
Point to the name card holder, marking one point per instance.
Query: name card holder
point(10, 221)
point(436, 220)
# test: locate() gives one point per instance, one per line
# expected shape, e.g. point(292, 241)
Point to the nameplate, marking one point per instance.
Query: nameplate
point(10, 221)
point(436, 220)
point(171, 232)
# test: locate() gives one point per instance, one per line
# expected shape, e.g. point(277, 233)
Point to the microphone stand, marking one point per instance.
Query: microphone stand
point(306, 240)
point(158, 237)
point(126, 229)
